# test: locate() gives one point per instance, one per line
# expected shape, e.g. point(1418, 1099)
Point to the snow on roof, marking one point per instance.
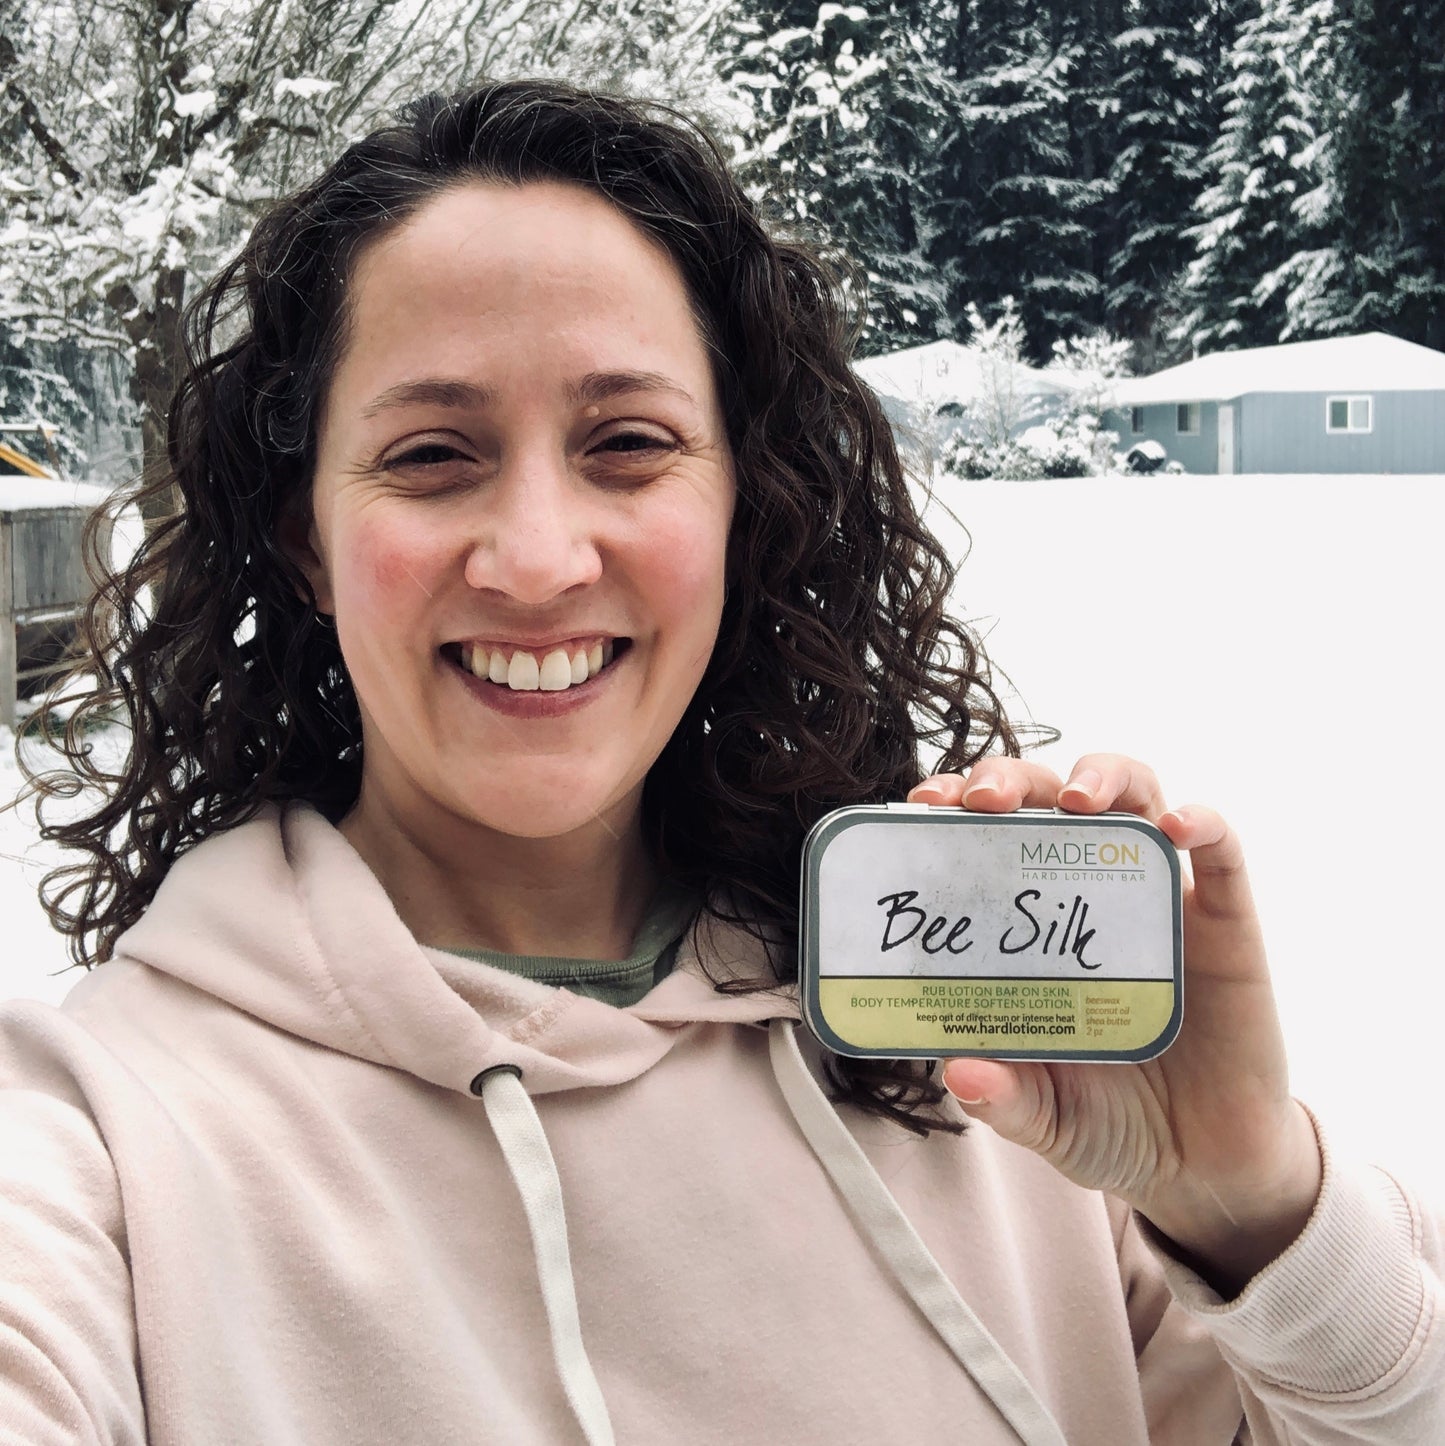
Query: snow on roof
point(17, 493)
point(945, 371)
point(1373, 362)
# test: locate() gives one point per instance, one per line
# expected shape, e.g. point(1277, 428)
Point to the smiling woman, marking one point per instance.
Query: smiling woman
point(522, 374)
point(542, 574)
point(522, 460)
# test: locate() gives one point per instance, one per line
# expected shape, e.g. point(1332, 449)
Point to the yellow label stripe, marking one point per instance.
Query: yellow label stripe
point(1041, 1016)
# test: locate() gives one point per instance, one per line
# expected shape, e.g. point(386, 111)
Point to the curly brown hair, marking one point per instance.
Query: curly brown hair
point(836, 662)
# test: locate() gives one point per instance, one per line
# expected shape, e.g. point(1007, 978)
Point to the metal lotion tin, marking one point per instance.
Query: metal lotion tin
point(1036, 935)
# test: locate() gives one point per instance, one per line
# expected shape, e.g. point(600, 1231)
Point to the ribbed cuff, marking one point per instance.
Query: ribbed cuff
point(1342, 1310)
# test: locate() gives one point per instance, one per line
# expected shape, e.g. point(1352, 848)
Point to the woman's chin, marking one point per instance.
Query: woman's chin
point(559, 811)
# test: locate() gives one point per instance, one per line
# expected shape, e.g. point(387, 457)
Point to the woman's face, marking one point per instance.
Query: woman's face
point(521, 506)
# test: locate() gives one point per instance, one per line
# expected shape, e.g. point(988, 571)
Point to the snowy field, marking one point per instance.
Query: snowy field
point(1266, 643)
point(1271, 646)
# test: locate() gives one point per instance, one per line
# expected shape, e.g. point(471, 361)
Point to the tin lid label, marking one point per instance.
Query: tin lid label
point(1038, 935)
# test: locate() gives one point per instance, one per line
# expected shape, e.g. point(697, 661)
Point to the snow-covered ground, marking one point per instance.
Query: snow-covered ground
point(1271, 645)
point(31, 953)
point(1266, 643)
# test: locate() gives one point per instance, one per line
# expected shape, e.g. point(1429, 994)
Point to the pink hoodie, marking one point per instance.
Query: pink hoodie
point(247, 1195)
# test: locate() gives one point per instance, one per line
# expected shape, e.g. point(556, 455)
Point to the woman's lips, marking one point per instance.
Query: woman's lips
point(532, 699)
point(526, 670)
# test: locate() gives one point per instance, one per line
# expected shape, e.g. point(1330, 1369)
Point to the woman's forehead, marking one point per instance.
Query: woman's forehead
point(486, 272)
point(496, 237)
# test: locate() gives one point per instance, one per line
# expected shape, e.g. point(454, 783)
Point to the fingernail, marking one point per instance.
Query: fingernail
point(1088, 783)
point(926, 792)
point(984, 785)
point(960, 1098)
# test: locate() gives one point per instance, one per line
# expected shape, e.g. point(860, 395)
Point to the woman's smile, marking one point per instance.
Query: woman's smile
point(549, 681)
point(526, 667)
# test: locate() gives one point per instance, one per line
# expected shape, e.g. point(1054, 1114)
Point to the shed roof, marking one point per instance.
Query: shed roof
point(1373, 362)
point(945, 371)
point(22, 493)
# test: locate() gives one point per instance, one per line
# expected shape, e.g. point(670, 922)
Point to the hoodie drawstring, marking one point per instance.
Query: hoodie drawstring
point(524, 1145)
point(881, 1220)
point(878, 1215)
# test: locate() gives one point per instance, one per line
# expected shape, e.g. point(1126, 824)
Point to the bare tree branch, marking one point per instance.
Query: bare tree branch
point(257, 132)
point(224, 113)
point(30, 113)
point(389, 63)
point(563, 24)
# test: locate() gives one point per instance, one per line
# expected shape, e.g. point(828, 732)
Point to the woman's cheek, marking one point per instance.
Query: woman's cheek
point(688, 548)
point(396, 565)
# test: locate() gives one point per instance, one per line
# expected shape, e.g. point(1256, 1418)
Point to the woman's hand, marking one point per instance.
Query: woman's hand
point(1205, 1141)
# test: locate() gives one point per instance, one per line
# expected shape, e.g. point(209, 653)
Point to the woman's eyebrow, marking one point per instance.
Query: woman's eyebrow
point(446, 392)
point(602, 386)
point(432, 392)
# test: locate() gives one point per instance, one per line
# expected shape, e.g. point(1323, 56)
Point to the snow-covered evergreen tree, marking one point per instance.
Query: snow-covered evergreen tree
point(852, 104)
point(1028, 174)
point(1253, 225)
point(1087, 30)
point(1381, 202)
point(1165, 126)
point(34, 386)
point(1190, 173)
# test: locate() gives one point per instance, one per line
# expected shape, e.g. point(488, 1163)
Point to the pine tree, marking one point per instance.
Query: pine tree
point(1090, 28)
point(851, 107)
point(1026, 173)
point(33, 387)
point(1166, 123)
point(1253, 228)
point(1382, 200)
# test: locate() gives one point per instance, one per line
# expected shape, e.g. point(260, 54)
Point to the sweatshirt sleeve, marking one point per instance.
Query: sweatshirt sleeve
point(68, 1361)
point(1340, 1341)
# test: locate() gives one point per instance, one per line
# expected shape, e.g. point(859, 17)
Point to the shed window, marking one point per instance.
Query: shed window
point(1136, 420)
point(1350, 414)
point(1187, 422)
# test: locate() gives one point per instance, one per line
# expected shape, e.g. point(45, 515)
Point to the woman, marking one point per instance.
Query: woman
point(542, 574)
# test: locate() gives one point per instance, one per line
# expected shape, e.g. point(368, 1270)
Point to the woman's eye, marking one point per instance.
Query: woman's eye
point(627, 442)
point(428, 454)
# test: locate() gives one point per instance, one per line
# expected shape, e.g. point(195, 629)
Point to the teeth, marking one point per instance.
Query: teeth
point(523, 674)
point(556, 671)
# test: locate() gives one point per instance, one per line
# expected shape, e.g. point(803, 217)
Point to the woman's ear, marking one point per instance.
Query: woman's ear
point(297, 536)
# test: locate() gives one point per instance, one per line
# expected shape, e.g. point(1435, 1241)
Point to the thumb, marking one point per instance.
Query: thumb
point(1093, 1128)
point(1015, 1101)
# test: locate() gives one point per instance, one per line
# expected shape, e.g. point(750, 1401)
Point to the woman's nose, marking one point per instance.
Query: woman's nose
point(536, 539)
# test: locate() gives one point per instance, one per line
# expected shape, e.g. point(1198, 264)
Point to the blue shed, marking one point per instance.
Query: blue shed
point(1370, 403)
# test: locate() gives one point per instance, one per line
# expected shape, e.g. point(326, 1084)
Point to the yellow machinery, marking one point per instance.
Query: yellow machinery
point(15, 461)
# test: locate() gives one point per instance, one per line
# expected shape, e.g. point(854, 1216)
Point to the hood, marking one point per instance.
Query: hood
point(282, 919)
